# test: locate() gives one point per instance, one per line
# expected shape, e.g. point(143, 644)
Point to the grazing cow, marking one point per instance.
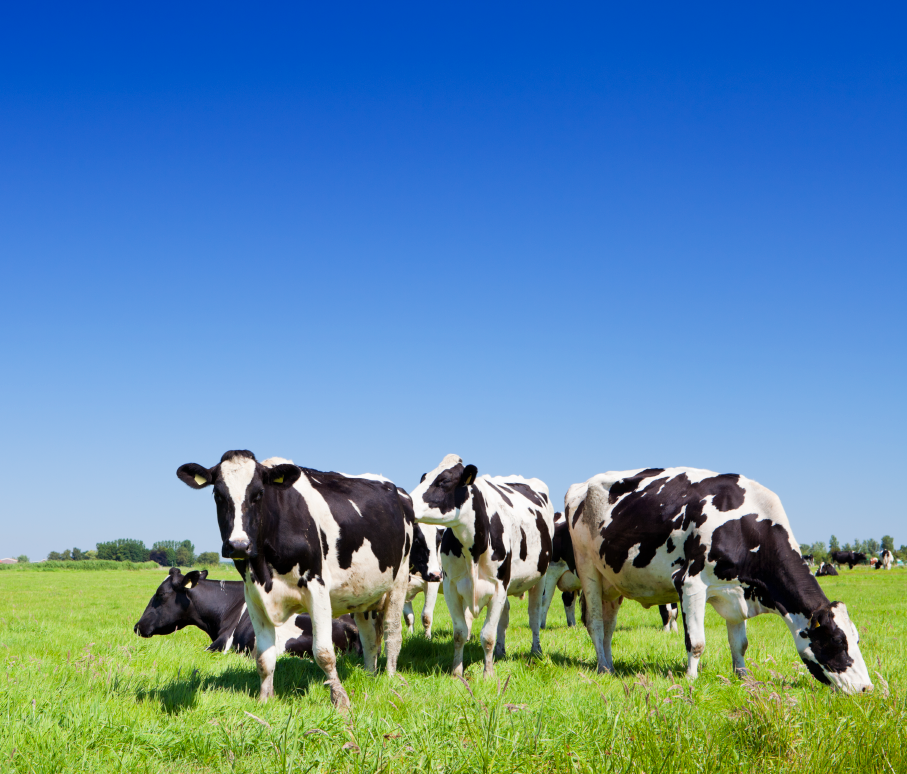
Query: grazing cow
point(886, 559)
point(424, 575)
point(218, 608)
point(498, 544)
point(850, 558)
point(809, 559)
point(561, 574)
point(306, 540)
point(825, 570)
point(657, 535)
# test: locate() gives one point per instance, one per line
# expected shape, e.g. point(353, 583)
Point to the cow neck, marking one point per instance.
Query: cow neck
point(794, 591)
point(218, 610)
point(471, 528)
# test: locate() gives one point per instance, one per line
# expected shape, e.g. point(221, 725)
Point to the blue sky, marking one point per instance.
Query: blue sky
point(555, 241)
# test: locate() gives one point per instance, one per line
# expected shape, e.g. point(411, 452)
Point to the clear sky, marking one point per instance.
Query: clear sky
point(554, 240)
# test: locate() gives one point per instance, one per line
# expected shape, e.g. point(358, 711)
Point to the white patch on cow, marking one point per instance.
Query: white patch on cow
point(755, 550)
point(356, 508)
point(228, 644)
point(237, 473)
point(273, 462)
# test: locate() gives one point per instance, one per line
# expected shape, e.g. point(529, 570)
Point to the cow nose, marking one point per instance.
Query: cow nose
point(867, 689)
point(433, 577)
point(240, 548)
point(136, 628)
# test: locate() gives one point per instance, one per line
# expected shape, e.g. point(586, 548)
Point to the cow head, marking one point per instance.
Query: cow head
point(171, 608)
point(241, 487)
point(441, 493)
point(423, 559)
point(829, 646)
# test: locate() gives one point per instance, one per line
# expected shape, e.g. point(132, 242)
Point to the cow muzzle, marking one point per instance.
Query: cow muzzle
point(433, 577)
point(239, 549)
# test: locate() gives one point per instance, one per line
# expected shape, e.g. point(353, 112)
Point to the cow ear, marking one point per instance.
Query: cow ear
point(195, 475)
point(469, 475)
point(281, 476)
point(421, 480)
point(203, 574)
point(191, 579)
point(173, 571)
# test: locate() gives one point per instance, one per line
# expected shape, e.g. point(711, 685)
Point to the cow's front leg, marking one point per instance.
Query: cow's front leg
point(265, 650)
point(409, 616)
point(536, 603)
point(692, 606)
point(736, 637)
point(365, 622)
point(500, 647)
point(428, 611)
point(490, 627)
point(393, 636)
point(569, 599)
point(549, 586)
point(323, 645)
point(457, 607)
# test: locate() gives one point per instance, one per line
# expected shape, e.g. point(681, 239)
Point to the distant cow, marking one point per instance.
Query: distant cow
point(825, 570)
point(850, 558)
point(498, 544)
point(809, 559)
point(321, 542)
point(424, 575)
point(561, 575)
point(886, 558)
point(218, 608)
point(657, 535)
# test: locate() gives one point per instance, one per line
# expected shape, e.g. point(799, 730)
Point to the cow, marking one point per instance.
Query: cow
point(886, 558)
point(561, 575)
point(425, 575)
point(850, 558)
point(658, 535)
point(809, 559)
point(825, 570)
point(497, 544)
point(218, 608)
point(305, 540)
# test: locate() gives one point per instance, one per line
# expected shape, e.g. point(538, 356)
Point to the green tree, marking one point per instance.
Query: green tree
point(23, 559)
point(888, 542)
point(123, 550)
point(54, 556)
point(208, 557)
point(833, 544)
point(92, 554)
point(872, 546)
point(77, 555)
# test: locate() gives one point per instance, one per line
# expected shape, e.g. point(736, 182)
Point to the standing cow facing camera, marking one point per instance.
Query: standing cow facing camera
point(497, 544)
point(657, 535)
point(317, 542)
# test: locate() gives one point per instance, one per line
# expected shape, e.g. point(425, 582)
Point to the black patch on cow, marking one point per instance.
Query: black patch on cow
point(501, 492)
point(562, 546)
point(544, 497)
point(545, 536)
point(450, 545)
point(827, 642)
point(524, 551)
point(229, 455)
point(503, 572)
point(670, 545)
point(816, 671)
point(482, 527)
point(498, 551)
point(444, 493)
point(527, 491)
point(324, 543)
point(648, 516)
point(241, 566)
point(420, 555)
point(579, 511)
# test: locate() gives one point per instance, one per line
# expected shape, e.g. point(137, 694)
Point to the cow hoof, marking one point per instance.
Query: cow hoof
point(338, 696)
point(742, 672)
point(536, 653)
point(500, 653)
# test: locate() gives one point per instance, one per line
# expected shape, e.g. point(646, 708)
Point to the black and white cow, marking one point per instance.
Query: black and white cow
point(424, 575)
point(218, 608)
point(313, 541)
point(850, 558)
point(886, 558)
point(561, 575)
point(826, 569)
point(497, 544)
point(657, 535)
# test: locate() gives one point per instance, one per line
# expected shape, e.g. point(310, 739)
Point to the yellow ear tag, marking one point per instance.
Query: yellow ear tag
point(815, 624)
point(200, 480)
point(278, 480)
point(189, 584)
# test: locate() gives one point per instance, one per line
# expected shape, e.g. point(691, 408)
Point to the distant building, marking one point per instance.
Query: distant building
point(9, 561)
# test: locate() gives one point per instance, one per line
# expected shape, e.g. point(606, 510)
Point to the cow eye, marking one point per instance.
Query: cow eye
point(257, 496)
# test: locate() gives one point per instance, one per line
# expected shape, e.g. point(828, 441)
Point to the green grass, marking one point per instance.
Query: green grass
point(80, 692)
point(82, 565)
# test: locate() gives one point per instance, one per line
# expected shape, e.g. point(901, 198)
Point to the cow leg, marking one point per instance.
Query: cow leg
point(323, 645)
point(490, 627)
point(408, 615)
point(736, 637)
point(368, 637)
point(393, 636)
point(428, 610)
point(265, 655)
point(536, 602)
point(500, 646)
point(600, 621)
point(461, 625)
point(569, 598)
point(549, 585)
point(692, 605)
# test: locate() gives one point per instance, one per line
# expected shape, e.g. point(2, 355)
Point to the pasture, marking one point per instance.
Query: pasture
point(81, 692)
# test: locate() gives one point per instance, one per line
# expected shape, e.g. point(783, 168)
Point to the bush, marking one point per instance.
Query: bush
point(22, 559)
point(123, 550)
point(208, 558)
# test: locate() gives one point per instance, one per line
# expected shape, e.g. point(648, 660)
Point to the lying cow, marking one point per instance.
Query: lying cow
point(850, 558)
point(657, 535)
point(425, 575)
point(826, 570)
point(306, 540)
point(561, 574)
point(886, 559)
point(498, 544)
point(218, 608)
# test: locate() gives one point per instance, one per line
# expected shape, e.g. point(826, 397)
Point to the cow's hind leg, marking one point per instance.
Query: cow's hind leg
point(569, 598)
point(692, 606)
point(393, 636)
point(500, 646)
point(736, 637)
point(428, 610)
point(323, 647)
point(408, 615)
point(461, 623)
point(600, 620)
point(535, 613)
point(369, 639)
point(549, 586)
point(490, 627)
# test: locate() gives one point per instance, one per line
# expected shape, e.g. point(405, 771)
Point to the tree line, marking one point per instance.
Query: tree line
point(871, 547)
point(167, 553)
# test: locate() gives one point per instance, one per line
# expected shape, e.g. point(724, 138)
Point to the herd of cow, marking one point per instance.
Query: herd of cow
point(313, 547)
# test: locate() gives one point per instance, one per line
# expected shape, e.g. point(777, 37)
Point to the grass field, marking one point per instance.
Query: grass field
point(82, 693)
